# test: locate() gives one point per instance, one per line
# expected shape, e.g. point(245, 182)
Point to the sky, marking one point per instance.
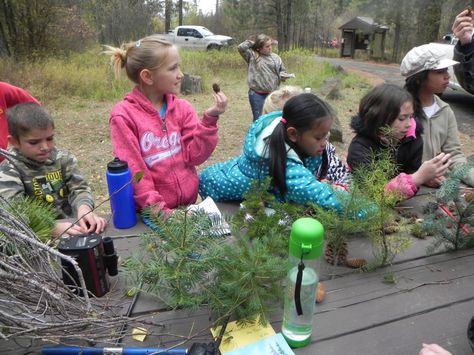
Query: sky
point(206, 6)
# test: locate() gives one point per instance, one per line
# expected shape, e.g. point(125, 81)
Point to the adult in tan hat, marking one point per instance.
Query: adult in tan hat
point(426, 71)
point(464, 50)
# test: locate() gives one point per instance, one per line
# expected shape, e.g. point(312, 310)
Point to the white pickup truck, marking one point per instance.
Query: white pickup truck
point(197, 38)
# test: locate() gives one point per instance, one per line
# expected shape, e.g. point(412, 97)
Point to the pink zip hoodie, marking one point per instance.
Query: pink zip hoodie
point(165, 149)
point(403, 183)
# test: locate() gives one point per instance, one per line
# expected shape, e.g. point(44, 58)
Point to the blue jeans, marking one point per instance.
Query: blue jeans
point(256, 103)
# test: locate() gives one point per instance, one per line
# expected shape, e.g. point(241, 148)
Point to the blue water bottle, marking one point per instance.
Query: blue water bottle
point(121, 194)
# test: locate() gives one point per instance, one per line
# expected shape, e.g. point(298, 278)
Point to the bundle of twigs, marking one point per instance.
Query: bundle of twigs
point(34, 301)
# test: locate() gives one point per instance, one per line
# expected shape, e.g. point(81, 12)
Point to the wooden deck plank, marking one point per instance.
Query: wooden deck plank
point(364, 286)
point(446, 326)
point(366, 311)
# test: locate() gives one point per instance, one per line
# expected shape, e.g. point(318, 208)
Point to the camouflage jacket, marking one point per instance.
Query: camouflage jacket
point(265, 72)
point(56, 181)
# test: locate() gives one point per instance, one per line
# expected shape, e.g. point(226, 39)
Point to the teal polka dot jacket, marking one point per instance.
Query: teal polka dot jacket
point(229, 180)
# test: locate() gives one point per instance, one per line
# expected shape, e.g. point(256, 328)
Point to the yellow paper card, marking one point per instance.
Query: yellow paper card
point(139, 334)
point(236, 337)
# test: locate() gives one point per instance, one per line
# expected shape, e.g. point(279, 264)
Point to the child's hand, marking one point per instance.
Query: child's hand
point(220, 104)
point(436, 182)
point(67, 228)
point(89, 221)
point(431, 169)
point(462, 26)
point(433, 349)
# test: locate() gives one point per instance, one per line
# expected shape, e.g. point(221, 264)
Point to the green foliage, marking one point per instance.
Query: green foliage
point(213, 66)
point(390, 278)
point(137, 177)
point(308, 73)
point(39, 216)
point(340, 225)
point(249, 282)
point(117, 21)
point(89, 75)
point(31, 29)
point(370, 180)
point(185, 266)
point(176, 260)
point(260, 223)
point(451, 218)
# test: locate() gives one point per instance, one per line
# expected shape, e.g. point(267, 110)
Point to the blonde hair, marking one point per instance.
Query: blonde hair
point(146, 53)
point(276, 99)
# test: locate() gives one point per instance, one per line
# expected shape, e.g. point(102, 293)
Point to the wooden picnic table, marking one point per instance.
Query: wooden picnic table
point(431, 301)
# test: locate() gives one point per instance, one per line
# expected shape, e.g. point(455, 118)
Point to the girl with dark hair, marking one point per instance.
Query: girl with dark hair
point(386, 120)
point(426, 70)
point(287, 146)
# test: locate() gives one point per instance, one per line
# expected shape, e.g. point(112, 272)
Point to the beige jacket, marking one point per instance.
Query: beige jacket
point(441, 135)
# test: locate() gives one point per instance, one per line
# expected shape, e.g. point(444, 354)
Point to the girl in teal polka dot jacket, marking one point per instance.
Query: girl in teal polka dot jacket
point(287, 146)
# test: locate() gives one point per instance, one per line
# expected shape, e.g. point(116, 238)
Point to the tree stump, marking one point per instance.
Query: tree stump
point(191, 84)
point(331, 89)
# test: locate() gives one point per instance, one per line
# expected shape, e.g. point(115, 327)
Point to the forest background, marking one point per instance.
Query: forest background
point(52, 48)
point(29, 28)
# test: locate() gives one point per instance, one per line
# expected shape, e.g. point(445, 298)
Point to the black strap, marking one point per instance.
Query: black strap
point(299, 281)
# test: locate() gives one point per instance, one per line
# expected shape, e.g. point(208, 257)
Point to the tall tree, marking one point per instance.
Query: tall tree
point(168, 10)
point(429, 17)
point(35, 27)
point(118, 21)
point(180, 12)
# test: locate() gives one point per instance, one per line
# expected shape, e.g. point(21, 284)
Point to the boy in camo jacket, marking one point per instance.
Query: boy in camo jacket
point(34, 167)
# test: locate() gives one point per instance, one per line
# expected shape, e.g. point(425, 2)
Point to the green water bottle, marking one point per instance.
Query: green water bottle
point(306, 246)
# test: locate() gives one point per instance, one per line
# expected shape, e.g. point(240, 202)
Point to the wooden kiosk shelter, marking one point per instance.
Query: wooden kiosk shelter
point(363, 33)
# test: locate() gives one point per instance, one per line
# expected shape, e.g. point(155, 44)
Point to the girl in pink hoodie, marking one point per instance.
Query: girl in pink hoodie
point(157, 133)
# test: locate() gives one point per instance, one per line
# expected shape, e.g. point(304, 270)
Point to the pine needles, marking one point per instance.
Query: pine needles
point(451, 218)
point(370, 181)
point(185, 265)
point(39, 216)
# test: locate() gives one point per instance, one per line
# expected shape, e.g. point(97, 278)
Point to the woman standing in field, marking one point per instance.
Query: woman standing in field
point(265, 70)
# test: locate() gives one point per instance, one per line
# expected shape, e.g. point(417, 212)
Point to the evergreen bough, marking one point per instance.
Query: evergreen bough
point(37, 215)
point(184, 264)
point(370, 180)
point(451, 218)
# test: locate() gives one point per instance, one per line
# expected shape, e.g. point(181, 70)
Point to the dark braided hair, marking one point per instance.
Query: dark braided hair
point(301, 112)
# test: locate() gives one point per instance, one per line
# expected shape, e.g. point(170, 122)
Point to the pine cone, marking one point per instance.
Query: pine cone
point(469, 196)
point(390, 228)
point(355, 263)
point(406, 213)
point(334, 256)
